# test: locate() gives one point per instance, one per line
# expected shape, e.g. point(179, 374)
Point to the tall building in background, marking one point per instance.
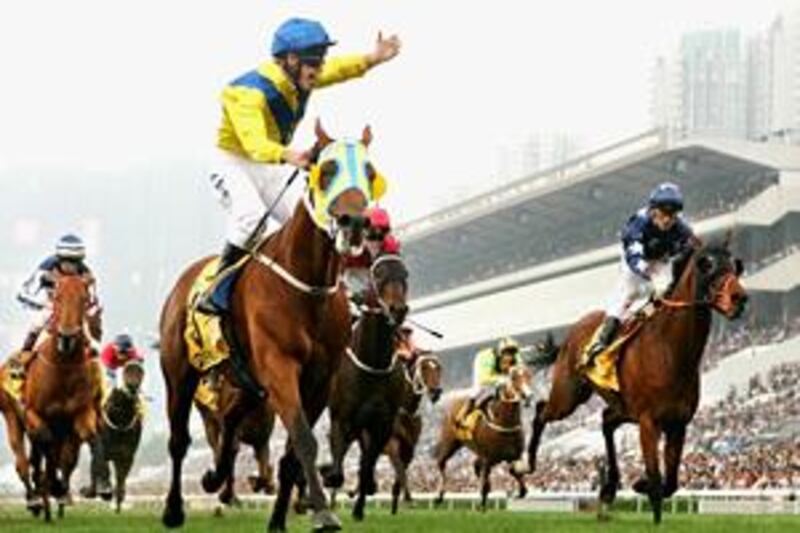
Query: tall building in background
point(784, 103)
point(703, 88)
point(718, 83)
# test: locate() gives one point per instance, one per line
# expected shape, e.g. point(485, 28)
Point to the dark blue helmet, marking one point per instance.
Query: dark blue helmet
point(667, 196)
point(300, 35)
point(70, 246)
point(123, 342)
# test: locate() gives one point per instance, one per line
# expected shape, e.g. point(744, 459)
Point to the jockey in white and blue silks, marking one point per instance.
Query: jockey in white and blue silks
point(37, 291)
point(651, 238)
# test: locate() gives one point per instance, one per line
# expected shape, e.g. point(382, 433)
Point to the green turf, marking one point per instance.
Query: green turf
point(416, 521)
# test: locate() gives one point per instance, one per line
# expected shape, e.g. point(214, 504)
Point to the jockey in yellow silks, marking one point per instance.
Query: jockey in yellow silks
point(260, 112)
point(490, 368)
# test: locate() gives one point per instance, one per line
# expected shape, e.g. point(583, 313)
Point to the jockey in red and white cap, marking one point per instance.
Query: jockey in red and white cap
point(117, 354)
point(379, 241)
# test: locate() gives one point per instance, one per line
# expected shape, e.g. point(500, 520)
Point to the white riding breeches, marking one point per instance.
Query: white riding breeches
point(245, 189)
point(632, 287)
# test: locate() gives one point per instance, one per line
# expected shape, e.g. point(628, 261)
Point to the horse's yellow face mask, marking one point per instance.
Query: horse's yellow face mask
point(343, 166)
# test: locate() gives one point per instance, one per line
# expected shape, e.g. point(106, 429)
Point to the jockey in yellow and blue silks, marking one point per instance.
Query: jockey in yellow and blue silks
point(490, 369)
point(651, 238)
point(260, 112)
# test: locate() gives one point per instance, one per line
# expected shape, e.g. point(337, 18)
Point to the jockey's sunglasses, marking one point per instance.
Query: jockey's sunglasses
point(313, 61)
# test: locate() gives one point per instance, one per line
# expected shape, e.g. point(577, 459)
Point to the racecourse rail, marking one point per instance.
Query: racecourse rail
point(727, 502)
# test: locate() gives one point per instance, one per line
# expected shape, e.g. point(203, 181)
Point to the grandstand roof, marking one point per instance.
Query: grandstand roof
point(552, 213)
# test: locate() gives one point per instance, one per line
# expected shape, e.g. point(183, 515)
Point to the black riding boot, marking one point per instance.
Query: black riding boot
point(215, 301)
point(604, 338)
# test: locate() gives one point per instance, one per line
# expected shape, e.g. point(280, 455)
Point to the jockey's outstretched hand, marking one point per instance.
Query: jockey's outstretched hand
point(385, 49)
point(298, 159)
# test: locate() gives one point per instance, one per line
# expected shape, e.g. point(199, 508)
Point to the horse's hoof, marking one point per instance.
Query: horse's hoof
point(173, 518)
point(642, 487)
point(522, 493)
point(87, 492)
point(276, 528)
point(325, 521)
point(333, 480)
point(603, 514)
point(210, 482)
point(34, 504)
point(608, 493)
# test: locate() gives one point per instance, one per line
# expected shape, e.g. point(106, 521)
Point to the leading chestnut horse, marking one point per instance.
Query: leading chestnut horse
point(61, 386)
point(658, 369)
point(290, 318)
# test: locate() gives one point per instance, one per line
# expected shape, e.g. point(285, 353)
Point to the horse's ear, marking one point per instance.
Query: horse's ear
point(323, 139)
point(366, 136)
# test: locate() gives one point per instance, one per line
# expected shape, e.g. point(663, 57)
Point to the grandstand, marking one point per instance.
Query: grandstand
point(537, 253)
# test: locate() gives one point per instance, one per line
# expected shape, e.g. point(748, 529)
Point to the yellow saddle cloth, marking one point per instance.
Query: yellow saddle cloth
point(12, 384)
point(465, 431)
point(207, 394)
point(603, 372)
point(203, 334)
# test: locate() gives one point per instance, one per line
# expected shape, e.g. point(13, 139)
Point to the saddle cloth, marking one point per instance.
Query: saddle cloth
point(205, 342)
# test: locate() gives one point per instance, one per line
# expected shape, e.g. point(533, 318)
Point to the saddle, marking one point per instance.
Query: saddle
point(603, 372)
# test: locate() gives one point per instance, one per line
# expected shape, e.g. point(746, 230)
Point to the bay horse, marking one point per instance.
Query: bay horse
point(368, 386)
point(254, 430)
point(12, 412)
point(423, 374)
point(498, 436)
point(60, 390)
point(290, 319)
point(120, 431)
point(658, 369)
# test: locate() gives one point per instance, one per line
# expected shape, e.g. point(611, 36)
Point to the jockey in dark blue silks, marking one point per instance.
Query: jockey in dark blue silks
point(651, 238)
point(37, 291)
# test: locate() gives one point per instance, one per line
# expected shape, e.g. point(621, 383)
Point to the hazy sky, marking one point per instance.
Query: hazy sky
point(103, 85)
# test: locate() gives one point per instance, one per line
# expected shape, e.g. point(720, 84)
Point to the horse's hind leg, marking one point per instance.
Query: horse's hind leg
point(567, 393)
point(447, 446)
point(181, 386)
point(672, 457)
point(611, 421)
point(226, 449)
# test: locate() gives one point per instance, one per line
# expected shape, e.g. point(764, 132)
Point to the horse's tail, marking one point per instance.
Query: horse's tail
point(546, 352)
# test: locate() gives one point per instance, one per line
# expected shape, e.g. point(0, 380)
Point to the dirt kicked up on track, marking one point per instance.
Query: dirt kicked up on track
point(417, 521)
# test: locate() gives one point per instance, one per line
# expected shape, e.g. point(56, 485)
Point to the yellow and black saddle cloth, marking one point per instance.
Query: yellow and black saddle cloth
point(465, 428)
point(603, 372)
point(207, 393)
point(12, 382)
point(205, 342)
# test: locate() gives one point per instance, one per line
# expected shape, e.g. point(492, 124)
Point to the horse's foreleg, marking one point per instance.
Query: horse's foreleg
point(611, 421)
point(393, 453)
point(672, 457)
point(179, 403)
point(264, 482)
point(649, 434)
point(228, 494)
point(486, 470)
point(447, 446)
point(16, 441)
point(339, 440)
point(285, 395)
point(522, 490)
point(373, 442)
point(121, 470)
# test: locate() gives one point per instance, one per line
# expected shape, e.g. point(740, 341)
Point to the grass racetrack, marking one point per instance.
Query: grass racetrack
point(91, 520)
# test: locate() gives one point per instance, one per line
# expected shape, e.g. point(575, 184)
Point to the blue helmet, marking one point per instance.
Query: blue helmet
point(123, 342)
point(667, 196)
point(70, 246)
point(298, 35)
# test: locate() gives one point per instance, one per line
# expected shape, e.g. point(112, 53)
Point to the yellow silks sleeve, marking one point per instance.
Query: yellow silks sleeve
point(257, 136)
point(484, 370)
point(342, 68)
